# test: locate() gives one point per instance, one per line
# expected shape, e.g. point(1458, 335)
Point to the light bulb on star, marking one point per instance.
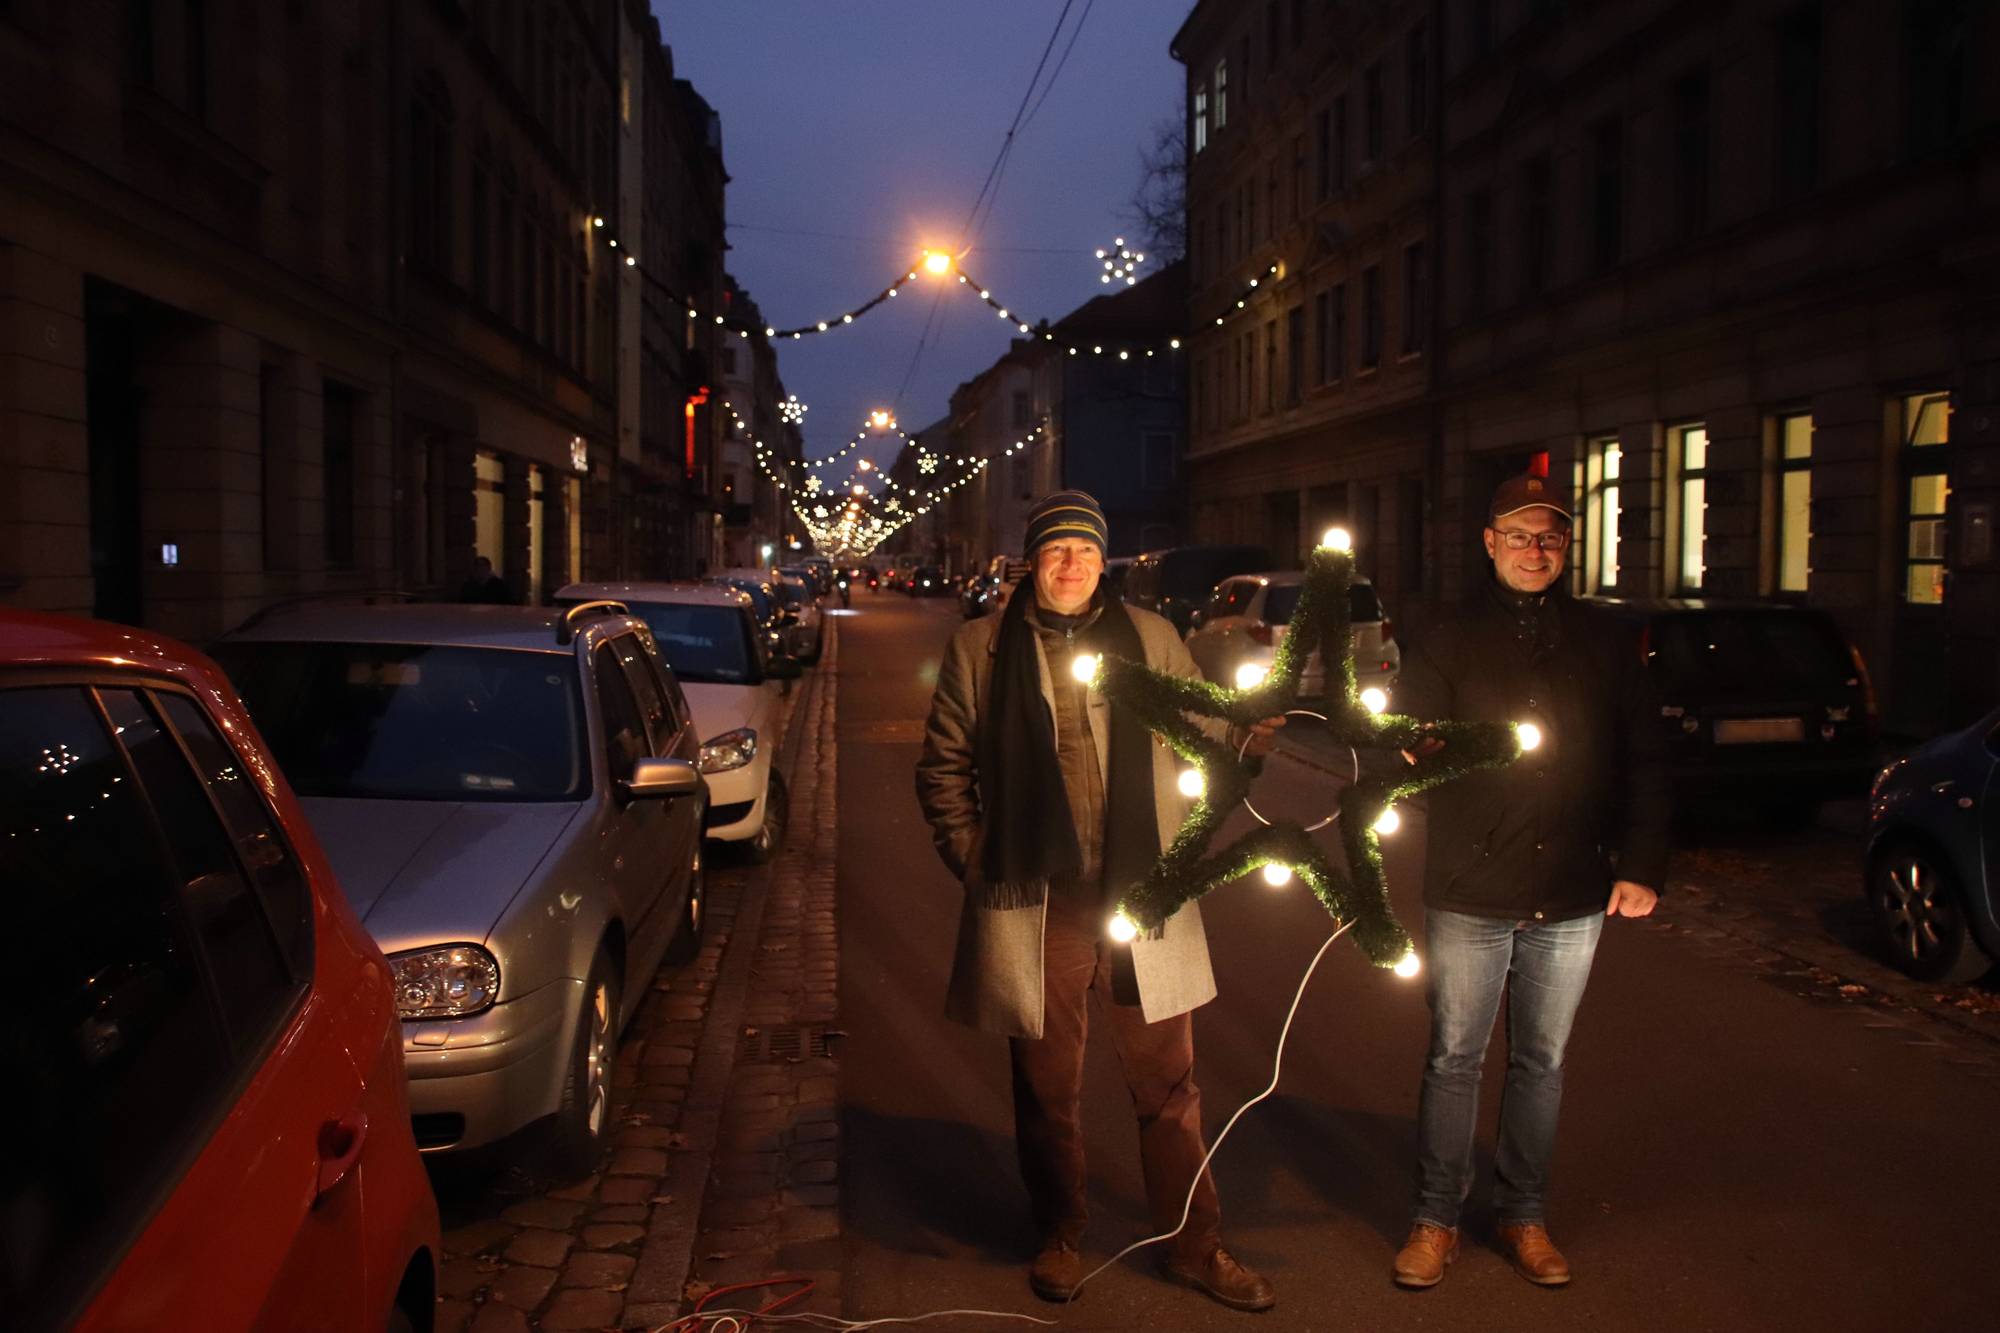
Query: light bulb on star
point(1529, 735)
point(1277, 875)
point(1192, 784)
point(1389, 821)
point(1250, 675)
point(1375, 699)
point(1336, 539)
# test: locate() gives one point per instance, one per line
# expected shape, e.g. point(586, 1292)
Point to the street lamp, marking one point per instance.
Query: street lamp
point(880, 419)
point(937, 262)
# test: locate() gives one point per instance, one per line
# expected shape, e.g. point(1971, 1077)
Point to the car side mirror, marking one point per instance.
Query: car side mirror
point(661, 778)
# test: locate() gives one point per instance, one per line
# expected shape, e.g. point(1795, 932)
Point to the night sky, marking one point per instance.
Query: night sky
point(857, 131)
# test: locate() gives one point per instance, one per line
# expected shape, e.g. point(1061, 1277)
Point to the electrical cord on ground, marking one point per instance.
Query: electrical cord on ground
point(1277, 1068)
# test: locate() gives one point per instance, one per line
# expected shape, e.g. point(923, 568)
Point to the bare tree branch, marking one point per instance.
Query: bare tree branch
point(1157, 209)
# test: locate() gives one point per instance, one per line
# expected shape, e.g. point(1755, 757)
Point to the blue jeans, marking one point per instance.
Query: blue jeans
point(1471, 961)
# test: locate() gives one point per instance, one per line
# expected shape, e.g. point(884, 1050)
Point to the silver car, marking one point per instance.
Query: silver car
point(510, 800)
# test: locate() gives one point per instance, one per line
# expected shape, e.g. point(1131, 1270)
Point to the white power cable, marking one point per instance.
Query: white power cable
point(1277, 1067)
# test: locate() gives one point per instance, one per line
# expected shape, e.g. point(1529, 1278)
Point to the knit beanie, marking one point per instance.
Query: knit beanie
point(1066, 514)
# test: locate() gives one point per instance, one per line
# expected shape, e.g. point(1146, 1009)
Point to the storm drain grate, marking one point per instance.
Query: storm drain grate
point(781, 1044)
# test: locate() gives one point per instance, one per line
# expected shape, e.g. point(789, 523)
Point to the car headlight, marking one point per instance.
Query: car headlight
point(732, 749)
point(452, 981)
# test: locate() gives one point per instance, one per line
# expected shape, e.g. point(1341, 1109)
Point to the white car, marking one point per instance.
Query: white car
point(1245, 621)
point(709, 636)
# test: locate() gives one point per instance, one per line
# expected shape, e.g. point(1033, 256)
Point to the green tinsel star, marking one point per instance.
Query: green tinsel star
point(1187, 869)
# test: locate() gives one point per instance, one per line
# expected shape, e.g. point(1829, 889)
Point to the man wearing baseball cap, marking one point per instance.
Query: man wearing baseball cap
point(1524, 865)
point(1048, 801)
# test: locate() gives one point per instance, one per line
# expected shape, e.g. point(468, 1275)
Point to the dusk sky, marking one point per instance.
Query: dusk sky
point(857, 132)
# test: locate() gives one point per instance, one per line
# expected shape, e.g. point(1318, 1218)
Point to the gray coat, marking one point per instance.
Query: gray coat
point(996, 974)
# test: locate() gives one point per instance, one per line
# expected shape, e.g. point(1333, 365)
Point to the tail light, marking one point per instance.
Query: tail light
point(1261, 633)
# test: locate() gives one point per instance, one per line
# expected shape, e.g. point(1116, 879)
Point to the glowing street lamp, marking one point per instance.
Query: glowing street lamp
point(937, 262)
point(880, 419)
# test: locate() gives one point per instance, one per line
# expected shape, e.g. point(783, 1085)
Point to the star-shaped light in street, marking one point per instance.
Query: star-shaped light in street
point(927, 463)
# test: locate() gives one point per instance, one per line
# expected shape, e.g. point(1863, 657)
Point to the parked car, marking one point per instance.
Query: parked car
point(712, 642)
point(819, 570)
point(987, 590)
point(1933, 869)
point(774, 625)
point(1247, 618)
point(511, 799)
point(1179, 580)
point(795, 591)
point(204, 1061)
point(929, 581)
point(1761, 702)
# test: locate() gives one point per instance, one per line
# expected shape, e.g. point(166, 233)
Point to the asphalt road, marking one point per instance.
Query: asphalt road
point(1733, 1155)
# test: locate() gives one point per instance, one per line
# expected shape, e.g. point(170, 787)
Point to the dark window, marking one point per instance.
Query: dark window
point(1340, 142)
point(1323, 155)
point(1798, 101)
point(1298, 176)
point(1371, 316)
point(141, 44)
point(1158, 448)
point(1270, 365)
point(1298, 22)
point(337, 404)
point(1333, 333)
point(1537, 218)
point(109, 1016)
point(252, 977)
point(1478, 250)
point(1371, 114)
point(1295, 353)
point(624, 725)
point(505, 290)
point(1692, 133)
point(274, 870)
point(1417, 76)
point(646, 689)
point(195, 40)
point(430, 177)
point(1479, 28)
point(1607, 192)
point(1937, 37)
point(480, 219)
point(1416, 298)
point(1024, 412)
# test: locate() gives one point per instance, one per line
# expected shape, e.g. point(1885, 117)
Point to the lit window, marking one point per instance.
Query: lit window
point(1926, 427)
point(1690, 453)
point(1600, 515)
point(1795, 435)
point(1200, 118)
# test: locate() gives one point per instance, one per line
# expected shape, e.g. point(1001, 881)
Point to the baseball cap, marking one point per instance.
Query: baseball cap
point(1526, 492)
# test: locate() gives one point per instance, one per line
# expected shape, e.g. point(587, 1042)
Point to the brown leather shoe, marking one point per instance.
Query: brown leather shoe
point(1056, 1271)
point(1534, 1255)
point(1225, 1280)
point(1422, 1260)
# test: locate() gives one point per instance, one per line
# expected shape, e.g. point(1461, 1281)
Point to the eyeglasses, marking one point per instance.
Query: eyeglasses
point(1516, 540)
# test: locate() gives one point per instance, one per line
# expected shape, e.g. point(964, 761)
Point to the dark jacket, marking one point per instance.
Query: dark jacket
point(1543, 838)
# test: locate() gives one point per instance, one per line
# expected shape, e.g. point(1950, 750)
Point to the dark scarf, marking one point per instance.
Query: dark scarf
point(1030, 837)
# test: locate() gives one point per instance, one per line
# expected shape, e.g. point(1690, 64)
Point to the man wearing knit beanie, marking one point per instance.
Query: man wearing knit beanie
point(1049, 802)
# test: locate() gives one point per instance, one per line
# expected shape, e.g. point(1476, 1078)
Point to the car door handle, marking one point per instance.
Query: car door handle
point(340, 1144)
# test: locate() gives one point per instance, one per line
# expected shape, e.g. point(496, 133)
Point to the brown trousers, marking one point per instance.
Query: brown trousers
point(1158, 1062)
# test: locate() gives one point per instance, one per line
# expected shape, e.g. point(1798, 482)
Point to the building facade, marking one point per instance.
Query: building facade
point(309, 299)
point(1725, 270)
point(757, 520)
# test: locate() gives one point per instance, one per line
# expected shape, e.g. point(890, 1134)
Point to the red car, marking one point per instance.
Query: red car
point(209, 1123)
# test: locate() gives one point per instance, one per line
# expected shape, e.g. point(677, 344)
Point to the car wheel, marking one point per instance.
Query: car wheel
point(771, 833)
point(582, 1126)
point(686, 943)
point(1919, 916)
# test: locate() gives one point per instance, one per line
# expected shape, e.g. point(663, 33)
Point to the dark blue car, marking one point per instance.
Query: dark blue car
point(1934, 855)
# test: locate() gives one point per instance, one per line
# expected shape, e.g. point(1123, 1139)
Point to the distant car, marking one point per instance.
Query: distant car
point(710, 639)
point(204, 1061)
point(929, 581)
point(1246, 620)
point(1762, 703)
point(511, 799)
point(774, 625)
point(795, 591)
point(1178, 581)
point(1933, 870)
point(819, 570)
point(980, 595)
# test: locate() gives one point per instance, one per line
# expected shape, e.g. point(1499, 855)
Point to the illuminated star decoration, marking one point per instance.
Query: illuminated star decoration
point(1221, 777)
point(792, 410)
point(1119, 265)
point(927, 463)
point(812, 485)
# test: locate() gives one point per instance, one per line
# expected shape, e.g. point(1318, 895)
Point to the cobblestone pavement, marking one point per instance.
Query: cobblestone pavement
point(722, 1168)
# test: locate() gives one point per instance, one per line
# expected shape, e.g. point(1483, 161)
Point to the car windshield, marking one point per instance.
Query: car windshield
point(701, 643)
point(1189, 574)
point(1281, 601)
point(417, 722)
point(1749, 649)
